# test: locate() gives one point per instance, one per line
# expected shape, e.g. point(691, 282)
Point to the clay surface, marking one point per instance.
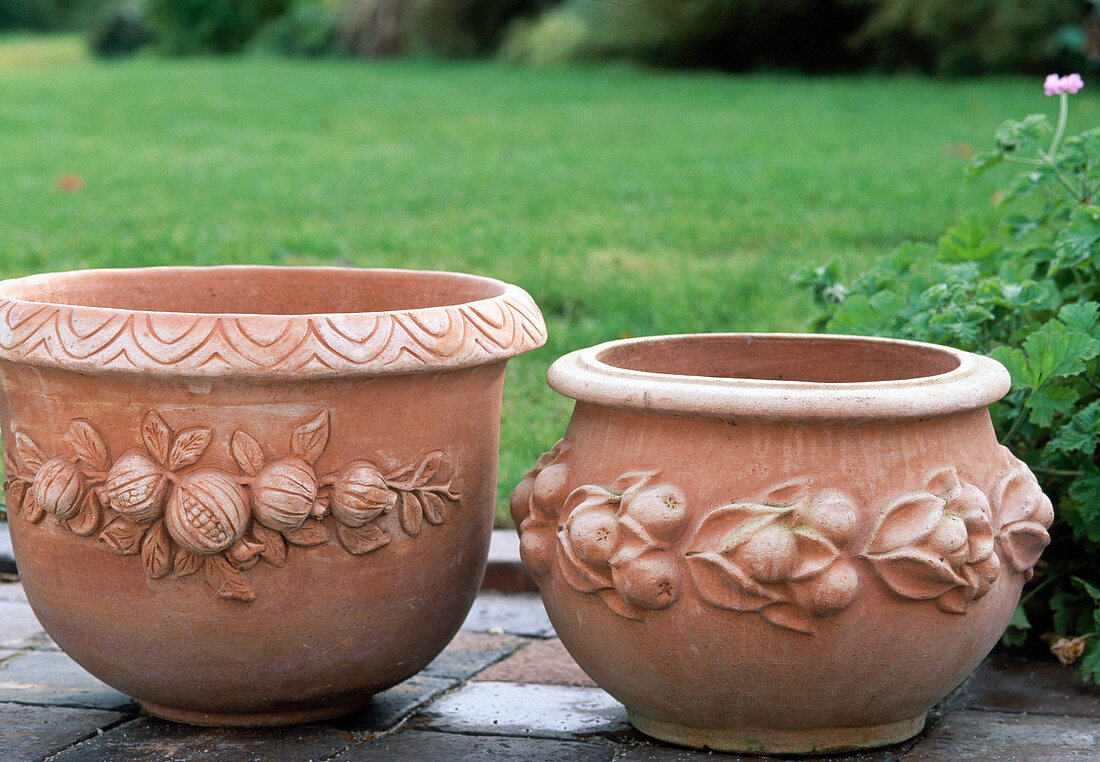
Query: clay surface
point(251, 495)
point(776, 543)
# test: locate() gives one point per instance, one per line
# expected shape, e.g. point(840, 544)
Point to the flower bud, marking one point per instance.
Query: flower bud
point(58, 487)
point(283, 494)
point(135, 487)
point(360, 494)
point(207, 512)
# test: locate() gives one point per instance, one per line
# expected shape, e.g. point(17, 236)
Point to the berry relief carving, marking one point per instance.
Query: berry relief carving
point(788, 556)
point(182, 518)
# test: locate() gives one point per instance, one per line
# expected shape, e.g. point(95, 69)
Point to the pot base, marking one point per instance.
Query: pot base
point(779, 740)
point(251, 719)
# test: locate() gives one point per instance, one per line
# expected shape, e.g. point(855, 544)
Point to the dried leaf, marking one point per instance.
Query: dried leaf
point(1023, 543)
point(615, 602)
point(907, 521)
point(156, 551)
point(915, 573)
point(427, 467)
point(360, 540)
point(274, 551)
point(187, 563)
point(310, 533)
point(30, 453)
point(188, 447)
point(88, 444)
point(788, 616)
point(31, 510)
point(434, 507)
point(411, 513)
point(157, 436)
point(247, 452)
point(123, 537)
point(310, 439)
point(227, 581)
point(722, 583)
point(86, 521)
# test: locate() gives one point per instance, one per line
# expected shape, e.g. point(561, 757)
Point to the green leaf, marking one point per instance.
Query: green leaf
point(1085, 492)
point(967, 241)
point(1092, 591)
point(1089, 669)
point(1080, 434)
point(1053, 400)
point(1055, 350)
point(1079, 239)
point(1083, 317)
point(1016, 362)
point(1016, 633)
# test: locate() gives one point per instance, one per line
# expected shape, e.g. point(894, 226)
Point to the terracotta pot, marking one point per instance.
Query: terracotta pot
point(254, 495)
point(779, 543)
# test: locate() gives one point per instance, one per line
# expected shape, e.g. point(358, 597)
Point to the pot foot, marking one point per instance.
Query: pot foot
point(250, 719)
point(779, 740)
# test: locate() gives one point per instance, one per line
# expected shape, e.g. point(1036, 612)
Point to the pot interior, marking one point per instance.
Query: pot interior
point(254, 290)
point(814, 359)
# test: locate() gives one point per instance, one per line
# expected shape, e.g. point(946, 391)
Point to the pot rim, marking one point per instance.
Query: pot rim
point(96, 339)
point(974, 383)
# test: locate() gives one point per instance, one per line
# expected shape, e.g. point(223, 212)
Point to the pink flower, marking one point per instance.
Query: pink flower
point(1072, 83)
point(1055, 85)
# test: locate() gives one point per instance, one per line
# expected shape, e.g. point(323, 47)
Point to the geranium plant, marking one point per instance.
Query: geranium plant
point(1026, 291)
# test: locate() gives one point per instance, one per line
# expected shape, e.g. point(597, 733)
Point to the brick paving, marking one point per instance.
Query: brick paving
point(504, 689)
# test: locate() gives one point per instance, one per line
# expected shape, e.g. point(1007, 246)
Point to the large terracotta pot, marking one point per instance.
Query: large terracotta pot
point(254, 495)
point(779, 543)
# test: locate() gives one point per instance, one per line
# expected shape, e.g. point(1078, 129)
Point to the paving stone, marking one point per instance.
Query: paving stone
point(471, 652)
point(542, 661)
point(1017, 685)
point(148, 739)
point(520, 709)
point(51, 677)
point(417, 746)
point(35, 732)
point(516, 614)
point(984, 736)
point(12, 591)
point(19, 628)
point(7, 556)
point(390, 707)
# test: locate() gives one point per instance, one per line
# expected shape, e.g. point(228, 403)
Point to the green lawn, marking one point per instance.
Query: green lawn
point(625, 201)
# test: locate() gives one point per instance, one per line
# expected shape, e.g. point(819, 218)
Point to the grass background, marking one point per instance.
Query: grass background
point(628, 202)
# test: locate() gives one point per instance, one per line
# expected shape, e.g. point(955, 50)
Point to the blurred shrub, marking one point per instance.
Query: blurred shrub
point(308, 28)
point(44, 15)
point(372, 28)
point(119, 31)
point(185, 27)
point(969, 36)
point(722, 34)
point(464, 27)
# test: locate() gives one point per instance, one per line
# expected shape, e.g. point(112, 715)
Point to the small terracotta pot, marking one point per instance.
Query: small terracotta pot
point(254, 495)
point(779, 543)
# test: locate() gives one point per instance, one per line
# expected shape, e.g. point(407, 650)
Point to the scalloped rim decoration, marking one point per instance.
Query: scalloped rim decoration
point(156, 501)
point(786, 556)
point(102, 339)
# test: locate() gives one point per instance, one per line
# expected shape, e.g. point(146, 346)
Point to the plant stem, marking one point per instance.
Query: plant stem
point(1063, 114)
point(1056, 471)
point(1019, 419)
